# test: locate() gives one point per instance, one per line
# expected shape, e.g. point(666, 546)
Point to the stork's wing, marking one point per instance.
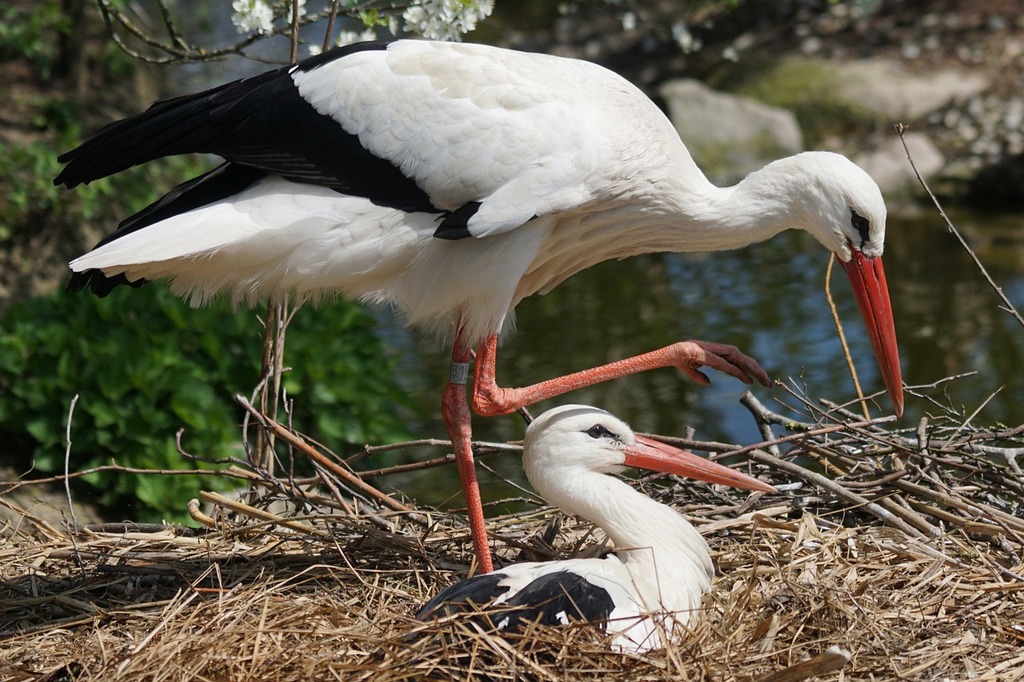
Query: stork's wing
point(490, 138)
point(261, 122)
point(554, 597)
point(557, 598)
point(550, 592)
point(467, 595)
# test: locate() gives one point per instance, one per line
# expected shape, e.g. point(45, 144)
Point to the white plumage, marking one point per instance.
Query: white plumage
point(570, 162)
point(452, 181)
point(661, 566)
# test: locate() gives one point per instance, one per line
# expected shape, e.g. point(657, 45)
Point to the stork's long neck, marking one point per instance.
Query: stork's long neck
point(667, 557)
point(704, 217)
point(673, 209)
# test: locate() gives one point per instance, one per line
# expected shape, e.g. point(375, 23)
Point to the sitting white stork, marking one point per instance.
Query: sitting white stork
point(660, 567)
point(452, 181)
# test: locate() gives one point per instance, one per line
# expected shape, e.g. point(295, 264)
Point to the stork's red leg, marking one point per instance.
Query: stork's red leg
point(455, 411)
point(489, 399)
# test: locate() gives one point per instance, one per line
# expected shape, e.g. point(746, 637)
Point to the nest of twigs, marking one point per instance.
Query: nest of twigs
point(885, 555)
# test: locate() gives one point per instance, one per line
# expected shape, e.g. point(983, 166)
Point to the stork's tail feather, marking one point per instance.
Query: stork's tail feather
point(100, 284)
point(168, 127)
point(223, 181)
point(242, 121)
point(185, 124)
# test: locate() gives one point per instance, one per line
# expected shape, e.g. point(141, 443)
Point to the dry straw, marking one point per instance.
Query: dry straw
point(886, 555)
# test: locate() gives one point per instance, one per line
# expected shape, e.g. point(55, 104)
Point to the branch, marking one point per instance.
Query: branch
point(341, 472)
point(842, 337)
point(67, 461)
point(179, 50)
point(1007, 306)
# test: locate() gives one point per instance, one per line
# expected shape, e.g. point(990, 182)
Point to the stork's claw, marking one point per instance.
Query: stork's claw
point(718, 356)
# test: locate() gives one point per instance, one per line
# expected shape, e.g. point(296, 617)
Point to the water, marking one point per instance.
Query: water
point(768, 300)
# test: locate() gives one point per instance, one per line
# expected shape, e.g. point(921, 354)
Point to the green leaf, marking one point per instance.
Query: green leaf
point(146, 365)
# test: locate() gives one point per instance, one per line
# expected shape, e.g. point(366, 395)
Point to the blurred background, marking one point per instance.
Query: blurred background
point(773, 78)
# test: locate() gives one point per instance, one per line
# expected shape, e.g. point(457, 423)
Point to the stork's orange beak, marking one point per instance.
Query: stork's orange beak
point(658, 456)
point(867, 277)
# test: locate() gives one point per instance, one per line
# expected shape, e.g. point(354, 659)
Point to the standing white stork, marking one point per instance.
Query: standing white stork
point(660, 568)
point(452, 181)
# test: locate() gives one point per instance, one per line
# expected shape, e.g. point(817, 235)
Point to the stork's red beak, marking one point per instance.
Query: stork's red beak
point(657, 456)
point(867, 277)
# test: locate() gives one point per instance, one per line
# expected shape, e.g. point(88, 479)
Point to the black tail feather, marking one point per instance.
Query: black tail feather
point(100, 284)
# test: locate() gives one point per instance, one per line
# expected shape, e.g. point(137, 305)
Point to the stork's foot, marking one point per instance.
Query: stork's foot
point(691, 355)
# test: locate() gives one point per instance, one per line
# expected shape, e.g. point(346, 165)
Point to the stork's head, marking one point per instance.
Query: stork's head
point(573, 440)
point(843, 208)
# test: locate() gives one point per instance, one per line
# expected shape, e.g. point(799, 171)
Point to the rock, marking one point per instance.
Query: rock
point(851, 98)
point(729, 136)
point(884, 86)
point(889, 167)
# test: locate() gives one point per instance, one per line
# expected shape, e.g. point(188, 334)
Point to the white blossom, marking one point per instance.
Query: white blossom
point(252, 16)
point(445, 19)
point(686, 41)
point(257, 16)
point(349, 37)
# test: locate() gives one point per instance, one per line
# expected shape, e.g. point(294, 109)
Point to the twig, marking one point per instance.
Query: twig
point(772, 417)
point(272, 368)
point(889, 512)
point(838, 490)
point(1007, 306)
point(331, 18)
point(898, 507)
point(764, 426)
point(350, 478)
point(842, 337)
point(242, 508)
point(293, 55)
point(977, 509)
point(197, 515)
point(178, 50)
point(792, 438)
point(974, 414)
point(480, 449)
point(67, 466)
point(14, 485)
point(335, 492)
point(833, 659)
point(877, 482)
point(404, 445)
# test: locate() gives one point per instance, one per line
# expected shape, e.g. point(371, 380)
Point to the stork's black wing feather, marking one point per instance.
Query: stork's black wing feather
point(261, 122)
point(222, 182)
point(552, 599)
point(468, 595)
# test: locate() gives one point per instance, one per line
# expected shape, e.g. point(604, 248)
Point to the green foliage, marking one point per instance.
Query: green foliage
point(29, 198)
point(145, 365)
point(30, 29)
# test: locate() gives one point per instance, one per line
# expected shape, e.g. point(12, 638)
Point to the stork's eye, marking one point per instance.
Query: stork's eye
point(598, 431)
point(862, 225)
